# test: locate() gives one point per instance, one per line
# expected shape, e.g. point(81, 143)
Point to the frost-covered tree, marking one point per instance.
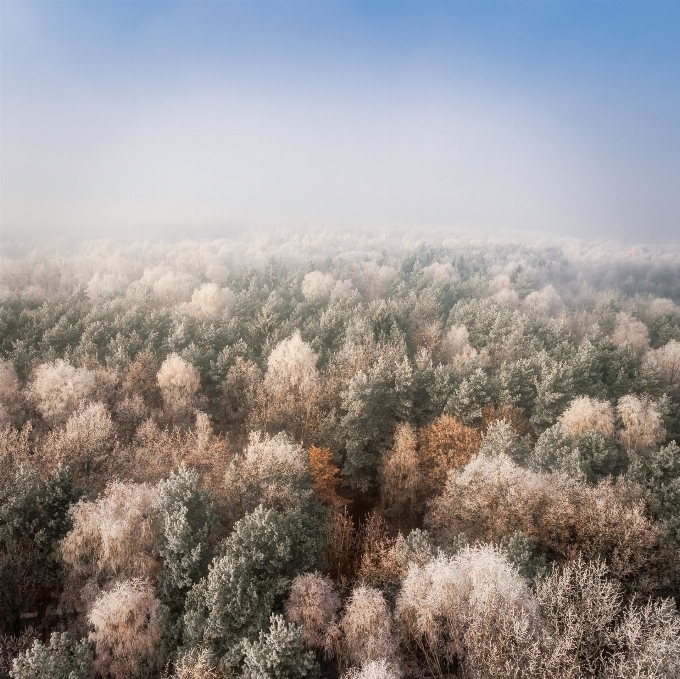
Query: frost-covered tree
point(317, 285)
point(590, 632)
point(667, 358)
point(642, 423)
point(376, 669)
point(10, 394)
point(554, 388)
point(342, 544)
point(633, 331)
point(544, 302)
point(586, 413)
point(590, 456)
point(471, 395)
point(373, 403)
point(15, 449)
point(441, 272)
point(253, 570)
point(12, 647)
point(507, 298)
point(240, 390)
point(292, 367)
point(602, 369)
point(272, 471)
point(178, 380)
point(491, 498)
point(60, 659)
point(659, 472)
point(365, 629)
point(554, 452)
point(377, 279)
point(312, 604)
point(170, 287)
point(342, 290)
point(291, 384)
point(502, 439)
point(83, 442)
point(431, 388)
point(659, 306)
point(126, 630)
point(598, 456)
point(279, 653)
point(457, 350)
point(140, 378)
point(647, 642)
point(377, 566)
point(185, 517)
point(196, 664)
point(58, 389)
point(580, 606)
point(515, 385)
point(114, 535)
point(472, 611)
point(210, 300)
point(34, 516)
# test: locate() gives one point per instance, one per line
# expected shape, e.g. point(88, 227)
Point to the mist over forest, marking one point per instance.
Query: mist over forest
point(339, 340)
point(340, 455)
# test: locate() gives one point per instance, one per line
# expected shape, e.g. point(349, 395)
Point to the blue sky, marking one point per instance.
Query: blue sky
point(161, 116)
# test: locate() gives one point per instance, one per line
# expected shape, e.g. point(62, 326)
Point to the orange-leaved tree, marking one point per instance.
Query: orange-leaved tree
point(325, 476)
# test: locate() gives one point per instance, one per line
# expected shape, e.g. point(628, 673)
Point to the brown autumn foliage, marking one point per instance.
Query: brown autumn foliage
point(85, 444)
point(445, 444)
point(341, 544)
point(400, 472)
point(511, 414)
point(325, 476)
point(140, 378)
point(378, 565)
point(156, 452)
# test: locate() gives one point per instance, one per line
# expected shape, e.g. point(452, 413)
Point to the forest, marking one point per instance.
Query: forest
point(346, 457)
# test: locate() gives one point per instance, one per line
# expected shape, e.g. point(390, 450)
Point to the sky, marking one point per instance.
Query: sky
point(156, 118)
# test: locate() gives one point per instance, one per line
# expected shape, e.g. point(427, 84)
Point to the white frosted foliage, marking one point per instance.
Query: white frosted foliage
point(210, 300)
point(312, 604)
point(58, 389)
point(292, 366)
point(126, 628)
point(585, 413)
point(178, 378)
point(667, 358)
point(633, 331)
point(642, 424)
point(317, 285)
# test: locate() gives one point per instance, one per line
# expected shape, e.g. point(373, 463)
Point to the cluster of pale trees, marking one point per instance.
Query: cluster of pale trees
point(396, 462)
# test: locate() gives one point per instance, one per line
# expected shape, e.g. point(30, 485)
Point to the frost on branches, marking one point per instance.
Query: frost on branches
point(58, 389)
point(585, 413)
